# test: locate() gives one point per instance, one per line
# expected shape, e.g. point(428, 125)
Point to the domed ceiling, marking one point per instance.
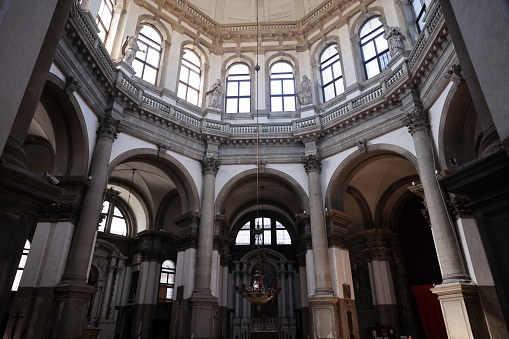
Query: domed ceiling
point(241, 11)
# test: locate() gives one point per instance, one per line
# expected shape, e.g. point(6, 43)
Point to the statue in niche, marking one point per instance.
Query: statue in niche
point(304, 95)
point(129, 49)
point(216, 94)
point(395, 39)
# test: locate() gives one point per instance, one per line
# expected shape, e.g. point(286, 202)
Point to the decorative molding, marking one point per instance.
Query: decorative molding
point(458, 203)
point(60, 212)
point(378, 253)
point(337, 238)
point(455, 74)
point(312, 163)
point(152, 254)
point(210, 165)
point(417, 121)
point(362, 146)
point(108, 127)
point(187, 241)
point(71, 85)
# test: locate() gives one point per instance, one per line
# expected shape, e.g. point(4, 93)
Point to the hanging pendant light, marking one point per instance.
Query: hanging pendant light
point(257, 293)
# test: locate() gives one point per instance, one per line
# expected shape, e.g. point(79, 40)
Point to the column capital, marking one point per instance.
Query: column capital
point(210, 165)
point(381, 253)
point(108, 127)
point(187, 241)
point(458, 203)
point(312, 163)
point(60, 212)
point(416, 121)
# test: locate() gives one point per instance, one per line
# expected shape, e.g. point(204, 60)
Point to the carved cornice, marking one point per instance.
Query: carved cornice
point(108, 127)
point(458, 203)
point(210, 165)
point(336, 238)
point(416, 121)
point(312, 163)
point(378, 253)
point(152, 254)
point(187, 241)
point(338, 218)
point(306, 243)
point(60, 212)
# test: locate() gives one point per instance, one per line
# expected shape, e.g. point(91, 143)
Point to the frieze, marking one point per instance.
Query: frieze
point(187, 241)
point(416, 121)
point(210, 165)
point(337, 239)
point(312, 163)
point(108, 127)
point(152, 254)
point(458, 203)
point(378, 254)
point(60, 212)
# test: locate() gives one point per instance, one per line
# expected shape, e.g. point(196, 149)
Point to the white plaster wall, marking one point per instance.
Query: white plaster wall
point(341, 273)
point(174, 59)
point(126, 142)
point(185, 272)
point(347, 56)
point(193, 167)
point(91, 123)
point(435, 115)
point(226, 173)
point(399, 137)
point(296, 171)
point(55, 70)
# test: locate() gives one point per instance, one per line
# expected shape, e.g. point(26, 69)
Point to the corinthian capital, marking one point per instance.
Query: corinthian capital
point(416, 121)
point(210, 165)
point(108, 127)
point(312, 163)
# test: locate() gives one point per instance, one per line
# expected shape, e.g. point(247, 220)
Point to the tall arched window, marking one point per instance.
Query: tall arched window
point(274, 232)
point(282, 87)
point(114, 220)
point(103, 19)
point(419, 9)
point(167, 281)
point(374, 47)
point(21, 266)
point(332, 76)
point(146, 62)
point(190, 77)
point(238, 89)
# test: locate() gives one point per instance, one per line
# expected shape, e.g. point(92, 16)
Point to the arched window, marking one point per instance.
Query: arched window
point(146, 61)
point(114, 220)
point(167, 281)
point(419, 9)
point(190, 77)
point(103, 19)
point(332, 76)
point(282, 87)
point(238, 89)
point(274, 233)
point(21, 266)
point(374, 47)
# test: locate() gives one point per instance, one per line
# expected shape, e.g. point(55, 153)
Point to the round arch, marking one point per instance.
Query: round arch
point(172, 167)
point(339, 181)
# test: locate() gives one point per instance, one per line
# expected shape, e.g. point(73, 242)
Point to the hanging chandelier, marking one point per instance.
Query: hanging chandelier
point(257, 293)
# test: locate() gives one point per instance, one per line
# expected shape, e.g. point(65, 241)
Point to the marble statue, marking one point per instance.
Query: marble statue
point(304, 95)
point(395, 39)
point(129, 49)
point(216, 94)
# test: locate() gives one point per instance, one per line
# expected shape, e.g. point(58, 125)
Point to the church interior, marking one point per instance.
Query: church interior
point(219, 169)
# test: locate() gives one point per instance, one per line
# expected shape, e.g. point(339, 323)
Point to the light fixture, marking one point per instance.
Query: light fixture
point(257, 293)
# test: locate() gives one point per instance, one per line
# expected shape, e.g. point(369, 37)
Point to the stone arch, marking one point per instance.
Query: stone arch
point(68, 129)
point(338, 183)
point(176, 171)
point(161, 28)
point(458, 122)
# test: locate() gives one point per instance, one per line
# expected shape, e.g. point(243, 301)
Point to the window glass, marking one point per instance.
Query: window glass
point(103, 19)
point(113, 221)
point(21, 266)
point(374, 48)
point(166, 281)
point(330, 69)
point(274, 233)
point(238, 89)
point(419, 9)
point(146, 61)
point(282, 87)
point(190, 77)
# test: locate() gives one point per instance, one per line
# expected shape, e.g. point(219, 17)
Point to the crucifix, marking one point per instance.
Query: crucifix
point(15, 324)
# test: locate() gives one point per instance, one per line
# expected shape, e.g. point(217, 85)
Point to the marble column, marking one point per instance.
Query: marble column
point(313, 167)
point(323, 304)
point(446, 244)
point(73, 292)
point(204, 304)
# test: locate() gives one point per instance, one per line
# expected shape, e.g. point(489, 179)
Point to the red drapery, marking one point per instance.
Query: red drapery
point(430, 311)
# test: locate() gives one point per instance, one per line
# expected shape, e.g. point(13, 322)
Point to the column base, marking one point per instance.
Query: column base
point(203, 316)
point(71, 310)
point(324, 317)
point(462, 312)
